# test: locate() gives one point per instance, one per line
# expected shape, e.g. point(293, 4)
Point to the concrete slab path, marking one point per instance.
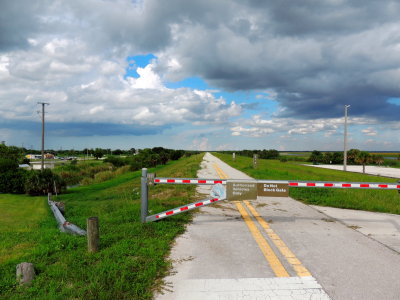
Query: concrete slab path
point(384, 228)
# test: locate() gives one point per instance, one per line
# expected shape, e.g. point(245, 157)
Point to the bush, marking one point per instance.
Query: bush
point(116, 161)
point(103, 176)
point(7, 164)
point(11, 177)
point(13, 181)
point(42, 182)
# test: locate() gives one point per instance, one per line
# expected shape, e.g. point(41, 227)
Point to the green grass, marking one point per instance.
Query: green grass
point(132, 257)
point(370, 200)
point(19, 215)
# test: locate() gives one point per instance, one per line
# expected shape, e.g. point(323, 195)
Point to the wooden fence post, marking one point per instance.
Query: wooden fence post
point(93, 236)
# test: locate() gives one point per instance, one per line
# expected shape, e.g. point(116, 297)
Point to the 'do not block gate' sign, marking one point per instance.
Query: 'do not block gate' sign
point(249, 190)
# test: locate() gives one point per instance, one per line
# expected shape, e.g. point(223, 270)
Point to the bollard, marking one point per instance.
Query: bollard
point(255, 156)
point(233, 156)
point(144, 191)
point(93, 236)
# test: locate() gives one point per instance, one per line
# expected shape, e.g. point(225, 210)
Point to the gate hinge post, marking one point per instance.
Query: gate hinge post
point(144, 193)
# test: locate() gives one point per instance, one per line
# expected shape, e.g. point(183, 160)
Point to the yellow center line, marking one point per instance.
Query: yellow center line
point(286, 252)
point(265, 248)
point(221, 173)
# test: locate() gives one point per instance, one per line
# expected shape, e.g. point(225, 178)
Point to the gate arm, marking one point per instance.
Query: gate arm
point(181, 209)
point(160, 180)
point(348, 185)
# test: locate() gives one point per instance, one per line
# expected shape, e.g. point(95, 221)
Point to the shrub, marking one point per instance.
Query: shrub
point(7, 164)
point(103, 176)
point(42, 182)
point(122, 170)
point(116, 161)
point(11, 177)
point(13, 181)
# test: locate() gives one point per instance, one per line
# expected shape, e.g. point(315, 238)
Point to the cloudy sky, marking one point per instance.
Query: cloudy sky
point(200, 74)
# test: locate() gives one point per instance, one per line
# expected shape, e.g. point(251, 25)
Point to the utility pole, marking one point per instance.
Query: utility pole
point(43, 111)
point(345, 139)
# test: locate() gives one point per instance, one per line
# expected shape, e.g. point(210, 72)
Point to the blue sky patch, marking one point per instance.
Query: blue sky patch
point(190, 82)
point(395, 101)
point(137, 61)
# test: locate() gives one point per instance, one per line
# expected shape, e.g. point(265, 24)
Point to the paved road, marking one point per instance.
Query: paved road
point(276, 248)
point(372, 170)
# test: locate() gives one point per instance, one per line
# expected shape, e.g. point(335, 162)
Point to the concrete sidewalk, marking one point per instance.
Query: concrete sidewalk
point(371, 170)
point(384, 228)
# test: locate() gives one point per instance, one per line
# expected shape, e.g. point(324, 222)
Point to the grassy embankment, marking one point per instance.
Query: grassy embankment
point(371, 200)
point(132, 258)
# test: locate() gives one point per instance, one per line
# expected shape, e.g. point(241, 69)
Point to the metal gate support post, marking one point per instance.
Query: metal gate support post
point(144, 192)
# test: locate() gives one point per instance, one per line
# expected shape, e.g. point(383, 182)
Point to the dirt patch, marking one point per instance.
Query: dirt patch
point(223, 207)
point(355, 227)
point(329, 220)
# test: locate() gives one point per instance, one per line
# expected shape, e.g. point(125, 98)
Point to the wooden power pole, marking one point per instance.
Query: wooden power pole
point(43, 112)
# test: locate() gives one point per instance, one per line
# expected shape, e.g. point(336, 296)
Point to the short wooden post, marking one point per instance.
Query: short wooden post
point(25, 273)
point(93, 234)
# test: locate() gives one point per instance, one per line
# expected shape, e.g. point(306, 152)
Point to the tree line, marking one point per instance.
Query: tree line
point(354, 157)
point(262, 154)
point(14, 179)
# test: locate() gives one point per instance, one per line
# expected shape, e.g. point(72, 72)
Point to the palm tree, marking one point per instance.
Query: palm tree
point(352, 155)
point(378, 159)
point(363, 158)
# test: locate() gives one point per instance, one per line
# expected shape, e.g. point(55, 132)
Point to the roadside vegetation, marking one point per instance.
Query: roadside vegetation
point(18, 181)
point(356, 157)
point(69, 171)
point(370, 200)
point(132, 256)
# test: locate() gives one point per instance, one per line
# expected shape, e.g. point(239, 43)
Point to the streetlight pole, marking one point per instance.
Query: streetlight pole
point(345, 139)
point(43, 104)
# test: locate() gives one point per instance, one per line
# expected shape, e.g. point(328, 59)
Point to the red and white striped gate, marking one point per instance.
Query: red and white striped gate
point(202, 181)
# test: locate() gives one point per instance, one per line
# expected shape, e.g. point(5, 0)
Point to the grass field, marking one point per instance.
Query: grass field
point(371, 200)
point(132, 256)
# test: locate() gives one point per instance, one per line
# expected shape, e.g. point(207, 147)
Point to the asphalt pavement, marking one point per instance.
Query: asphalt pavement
point(278, 248)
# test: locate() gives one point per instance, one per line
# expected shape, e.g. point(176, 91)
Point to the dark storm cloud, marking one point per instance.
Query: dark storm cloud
point(315, 55)
point(19, 20)
point(82, 129)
